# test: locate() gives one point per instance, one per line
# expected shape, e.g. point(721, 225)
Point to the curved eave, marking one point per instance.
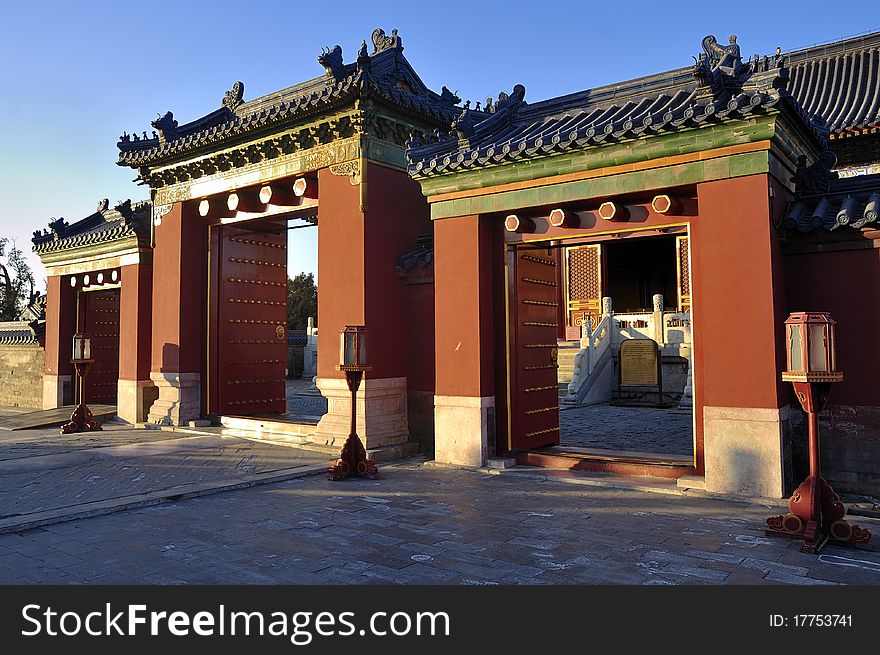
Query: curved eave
point(68, 251)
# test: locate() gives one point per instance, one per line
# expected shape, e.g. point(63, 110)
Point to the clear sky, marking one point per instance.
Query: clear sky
point(75, 75)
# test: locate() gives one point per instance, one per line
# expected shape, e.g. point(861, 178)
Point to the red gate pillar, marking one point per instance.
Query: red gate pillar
point(60, 325)
point(136, 392)
point(465, 396)
point(738, 310)
point(179, 306)
point(361, 232)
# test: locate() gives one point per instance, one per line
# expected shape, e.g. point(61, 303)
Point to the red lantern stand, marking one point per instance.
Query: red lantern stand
point(815, 511)
point(81, 420)
point(353, 459)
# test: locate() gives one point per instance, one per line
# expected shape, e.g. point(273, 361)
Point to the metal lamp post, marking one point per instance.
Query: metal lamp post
point(815, 511)
point(81, 420)
point(353, 360)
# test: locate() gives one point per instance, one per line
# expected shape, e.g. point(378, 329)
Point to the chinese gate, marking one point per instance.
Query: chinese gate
point(251, 313)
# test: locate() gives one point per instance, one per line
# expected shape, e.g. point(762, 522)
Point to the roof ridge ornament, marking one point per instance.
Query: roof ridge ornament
point(448, 96)
point(331, 60)
point(382, 42)
point(166, 126)
point(815, 178)
point(234, 97)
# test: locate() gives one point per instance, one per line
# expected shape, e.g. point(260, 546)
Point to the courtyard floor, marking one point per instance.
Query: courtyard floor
point(642, 429)
point(418, 523)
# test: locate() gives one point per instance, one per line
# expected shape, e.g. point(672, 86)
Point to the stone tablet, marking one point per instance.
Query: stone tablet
point(639, 363)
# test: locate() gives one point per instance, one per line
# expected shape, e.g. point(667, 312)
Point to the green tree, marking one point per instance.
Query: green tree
point(302, 301)
point(16, 280)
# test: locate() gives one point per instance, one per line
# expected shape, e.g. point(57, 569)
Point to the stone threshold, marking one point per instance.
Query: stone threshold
point(22, 522)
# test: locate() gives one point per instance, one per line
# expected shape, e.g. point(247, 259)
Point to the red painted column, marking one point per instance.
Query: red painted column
point(60, 325)
point(136, 392)
point(463, 309)
point(738, 313)
point(179, 293)
point(362, 229)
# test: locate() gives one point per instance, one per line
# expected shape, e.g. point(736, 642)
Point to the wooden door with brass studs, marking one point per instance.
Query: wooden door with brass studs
point(533, 358)
point(100, 321)
point(583, 286)
point(252, 319)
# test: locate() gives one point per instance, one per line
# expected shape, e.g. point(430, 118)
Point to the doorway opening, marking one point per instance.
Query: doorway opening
point(262, 346)
point(600, 349)
point(98, 317)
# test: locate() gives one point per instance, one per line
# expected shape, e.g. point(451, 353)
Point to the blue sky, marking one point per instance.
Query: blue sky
point(76, 75)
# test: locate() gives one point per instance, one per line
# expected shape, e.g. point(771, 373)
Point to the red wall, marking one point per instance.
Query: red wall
point(738, 301)
point(463, 262)
point(358, 281)
point(135, 320)
point(60, 324)
point(179, 291)
point(340, 268)
point(844, 283)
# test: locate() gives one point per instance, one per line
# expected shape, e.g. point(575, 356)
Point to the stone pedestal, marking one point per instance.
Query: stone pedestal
point(56, 390)
point(134, 398)
point(381, 412)
point(745, 450)
point(179, 398)
point(462, 428)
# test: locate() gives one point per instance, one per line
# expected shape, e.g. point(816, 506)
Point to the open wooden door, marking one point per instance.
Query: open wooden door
point(251, 354)
point(100, 321)
point(684, 276)
point(583, 286)
point(533, 350)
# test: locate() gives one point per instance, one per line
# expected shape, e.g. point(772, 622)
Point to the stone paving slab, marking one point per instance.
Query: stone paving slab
point(426, 525)
point(645, 429)
point(47, 477)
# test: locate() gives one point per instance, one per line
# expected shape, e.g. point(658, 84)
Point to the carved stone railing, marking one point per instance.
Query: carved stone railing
point(670, 330)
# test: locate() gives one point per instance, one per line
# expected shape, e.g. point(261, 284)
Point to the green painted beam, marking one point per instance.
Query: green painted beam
point(759, 128)
point(707, 170)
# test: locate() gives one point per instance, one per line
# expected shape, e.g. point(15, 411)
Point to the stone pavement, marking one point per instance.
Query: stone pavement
point(423, 524)
point(45, 476)
point(644, 429)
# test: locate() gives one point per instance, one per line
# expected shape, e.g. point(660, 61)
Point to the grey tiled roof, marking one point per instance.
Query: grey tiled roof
point(21, 333)
point(839, 81)
point(107, 224)
point(852, 202)
point(844, 90)
point(384, 76)
point(422, 256)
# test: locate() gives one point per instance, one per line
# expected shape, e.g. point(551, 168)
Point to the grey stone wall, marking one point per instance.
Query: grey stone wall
point(21, 376)
point(850, 449)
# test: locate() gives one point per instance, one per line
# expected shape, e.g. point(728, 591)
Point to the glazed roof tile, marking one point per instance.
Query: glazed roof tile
point(837, 83)
point(849, 202)
point(107, 224)
point(385, 76)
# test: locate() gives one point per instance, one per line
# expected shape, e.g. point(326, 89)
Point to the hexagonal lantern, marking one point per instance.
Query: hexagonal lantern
point(810, 348)
point(353, 348)
point(82, 349)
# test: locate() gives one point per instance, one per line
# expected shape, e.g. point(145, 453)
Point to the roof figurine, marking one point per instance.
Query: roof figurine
point(331, 60)
point(166, 126)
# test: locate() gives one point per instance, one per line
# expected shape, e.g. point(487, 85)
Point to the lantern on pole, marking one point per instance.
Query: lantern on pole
point(815, 511)
point(81, 420)
point(353, 361)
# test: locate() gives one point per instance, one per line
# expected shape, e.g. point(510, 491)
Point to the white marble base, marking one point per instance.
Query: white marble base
point(381, 412)
point(53, 390)
point(180, 398)
point(744, 450)
point(133, 399)
point(461, 429)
